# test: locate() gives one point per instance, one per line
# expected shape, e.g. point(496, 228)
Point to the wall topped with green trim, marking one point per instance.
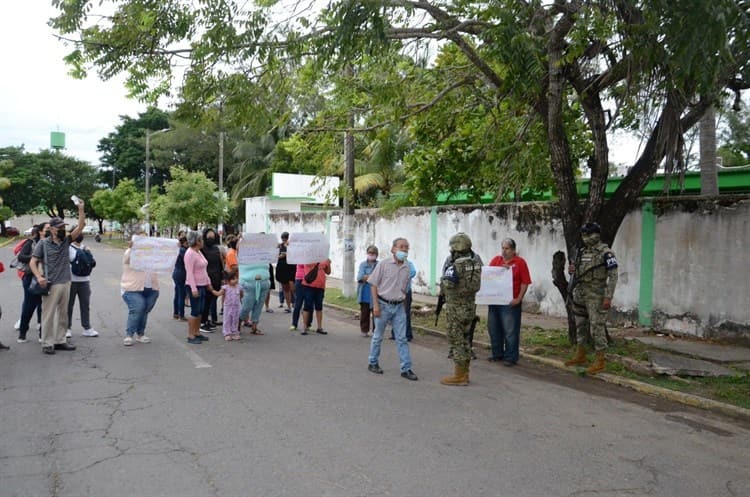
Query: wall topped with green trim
point(683, 260)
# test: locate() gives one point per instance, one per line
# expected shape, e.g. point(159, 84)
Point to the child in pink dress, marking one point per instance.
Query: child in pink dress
point(232, 293)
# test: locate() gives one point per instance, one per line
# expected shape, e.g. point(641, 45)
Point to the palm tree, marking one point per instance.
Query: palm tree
point(252, 177)
point(381, 171)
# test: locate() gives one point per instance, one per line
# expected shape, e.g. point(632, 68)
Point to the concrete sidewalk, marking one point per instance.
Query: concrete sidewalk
point(671, 355)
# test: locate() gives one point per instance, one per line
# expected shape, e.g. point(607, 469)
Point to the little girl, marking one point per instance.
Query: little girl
point(232, 293)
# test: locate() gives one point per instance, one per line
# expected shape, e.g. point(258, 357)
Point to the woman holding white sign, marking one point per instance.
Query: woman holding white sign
point(504, 321)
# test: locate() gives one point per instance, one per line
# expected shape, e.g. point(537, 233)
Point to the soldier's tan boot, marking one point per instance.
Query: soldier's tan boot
point(598, 364)
point(578, 358)
point(460, 377)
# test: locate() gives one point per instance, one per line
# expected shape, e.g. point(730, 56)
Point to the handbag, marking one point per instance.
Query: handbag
point(34, 287)
point(310, 276)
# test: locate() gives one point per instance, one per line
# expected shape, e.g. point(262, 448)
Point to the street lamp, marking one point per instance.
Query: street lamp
point(147, 207)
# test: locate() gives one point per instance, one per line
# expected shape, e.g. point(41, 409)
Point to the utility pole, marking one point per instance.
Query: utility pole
point(349, 287)
point(221, 186)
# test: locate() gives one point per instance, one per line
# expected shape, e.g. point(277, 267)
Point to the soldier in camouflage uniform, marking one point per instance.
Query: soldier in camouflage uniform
point(595, 273)
point(459, 284)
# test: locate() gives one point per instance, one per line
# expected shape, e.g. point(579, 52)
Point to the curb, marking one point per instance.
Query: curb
point(639, 386)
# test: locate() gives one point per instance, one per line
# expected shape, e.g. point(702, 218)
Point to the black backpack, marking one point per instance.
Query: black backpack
point(83, 262)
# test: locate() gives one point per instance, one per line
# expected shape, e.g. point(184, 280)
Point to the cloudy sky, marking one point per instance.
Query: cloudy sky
point(36, 94)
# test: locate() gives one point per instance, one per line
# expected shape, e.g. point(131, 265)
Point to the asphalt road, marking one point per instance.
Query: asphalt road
point(291, 415)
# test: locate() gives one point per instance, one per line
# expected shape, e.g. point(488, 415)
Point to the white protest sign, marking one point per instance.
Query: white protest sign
point(257, 248)
point(307, 248)
point(497, 286)
point(153, 254)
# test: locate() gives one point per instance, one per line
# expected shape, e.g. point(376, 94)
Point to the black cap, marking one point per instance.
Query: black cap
point(591, 228)
point(285, 235)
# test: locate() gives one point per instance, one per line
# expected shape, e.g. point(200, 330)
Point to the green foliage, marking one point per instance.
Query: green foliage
point(190, 198)
point(123, 204)
point(45, 181)
point(736, 137)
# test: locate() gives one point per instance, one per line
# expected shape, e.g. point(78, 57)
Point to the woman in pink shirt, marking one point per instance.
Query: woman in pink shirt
point(196, 281)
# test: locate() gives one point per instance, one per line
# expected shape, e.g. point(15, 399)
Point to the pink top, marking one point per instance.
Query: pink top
point(195, 270)
point(300, 273)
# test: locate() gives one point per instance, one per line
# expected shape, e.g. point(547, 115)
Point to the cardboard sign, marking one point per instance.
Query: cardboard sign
point(497, 286)
point(153, 255)
point(307, 248)
point(258, 248)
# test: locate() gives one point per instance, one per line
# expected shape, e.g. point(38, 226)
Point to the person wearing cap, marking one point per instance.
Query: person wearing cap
point(595, 273)
point(50, 264)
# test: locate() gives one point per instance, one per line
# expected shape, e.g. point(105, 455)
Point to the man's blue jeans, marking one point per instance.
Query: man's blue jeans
point(504, 326)
point(396, 314)
point(139, 305)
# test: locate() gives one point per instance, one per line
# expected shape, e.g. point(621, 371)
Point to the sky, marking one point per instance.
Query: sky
point(37, 96)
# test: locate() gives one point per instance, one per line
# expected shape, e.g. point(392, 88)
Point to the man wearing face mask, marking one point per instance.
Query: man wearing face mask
point(80, 287)
point(50, 264)
point(388, 285)
point(595, 271)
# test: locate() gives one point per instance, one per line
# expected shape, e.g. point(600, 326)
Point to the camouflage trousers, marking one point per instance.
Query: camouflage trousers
point(460, 317)
point(591, 319)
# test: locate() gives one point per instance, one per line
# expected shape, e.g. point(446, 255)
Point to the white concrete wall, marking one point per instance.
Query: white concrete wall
point(701, 261)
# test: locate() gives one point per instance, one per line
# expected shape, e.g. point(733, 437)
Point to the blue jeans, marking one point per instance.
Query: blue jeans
point(30, 304)
point(178, 304)
point(504, 326)
point(396, 314)
point(139, 305)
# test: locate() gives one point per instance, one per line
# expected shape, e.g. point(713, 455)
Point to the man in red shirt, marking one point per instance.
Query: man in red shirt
point(504, 321)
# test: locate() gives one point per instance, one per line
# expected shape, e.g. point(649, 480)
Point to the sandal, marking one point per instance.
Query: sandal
point(257, 332)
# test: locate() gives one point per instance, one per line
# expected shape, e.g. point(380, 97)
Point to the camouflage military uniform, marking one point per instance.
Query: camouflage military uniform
point(596, 277)
point(459, 284)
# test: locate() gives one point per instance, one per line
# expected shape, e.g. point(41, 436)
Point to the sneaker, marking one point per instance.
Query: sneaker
point(48, 349)
point(65, 346)
point(288, 310)
point(195, 341)
point(127, 341)
point(91, 332)
point(208, 326)
point(292, 328)
point(21, 340)
point(374, 368)
point(409, 375)
point(204, 329)
point(202, 338)
point(321, 331)
point(269, 310)
point(142, 339)
point(17, 326)
point(40, 339)
point(68, 334)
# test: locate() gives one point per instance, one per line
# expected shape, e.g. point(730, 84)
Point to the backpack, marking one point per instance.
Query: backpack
point(83, 262)
point(20, 267)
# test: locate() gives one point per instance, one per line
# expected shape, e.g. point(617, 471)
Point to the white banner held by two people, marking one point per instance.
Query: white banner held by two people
point(153, 255)
point(497, 286)
point(258, 248)
point(307, 248)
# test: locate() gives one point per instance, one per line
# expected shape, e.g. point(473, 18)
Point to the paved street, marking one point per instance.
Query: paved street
point(290, 415)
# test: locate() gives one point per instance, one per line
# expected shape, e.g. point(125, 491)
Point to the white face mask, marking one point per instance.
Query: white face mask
point(372, 257)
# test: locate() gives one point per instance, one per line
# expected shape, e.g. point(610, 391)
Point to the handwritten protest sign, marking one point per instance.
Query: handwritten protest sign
point(153, 254)
point(258, 248)
point(307, 248)
point(497, 286)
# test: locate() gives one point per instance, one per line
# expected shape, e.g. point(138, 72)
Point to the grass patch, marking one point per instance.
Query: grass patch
point(336, 297)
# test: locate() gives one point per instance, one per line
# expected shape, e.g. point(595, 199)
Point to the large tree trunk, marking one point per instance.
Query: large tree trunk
point(709, 169)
